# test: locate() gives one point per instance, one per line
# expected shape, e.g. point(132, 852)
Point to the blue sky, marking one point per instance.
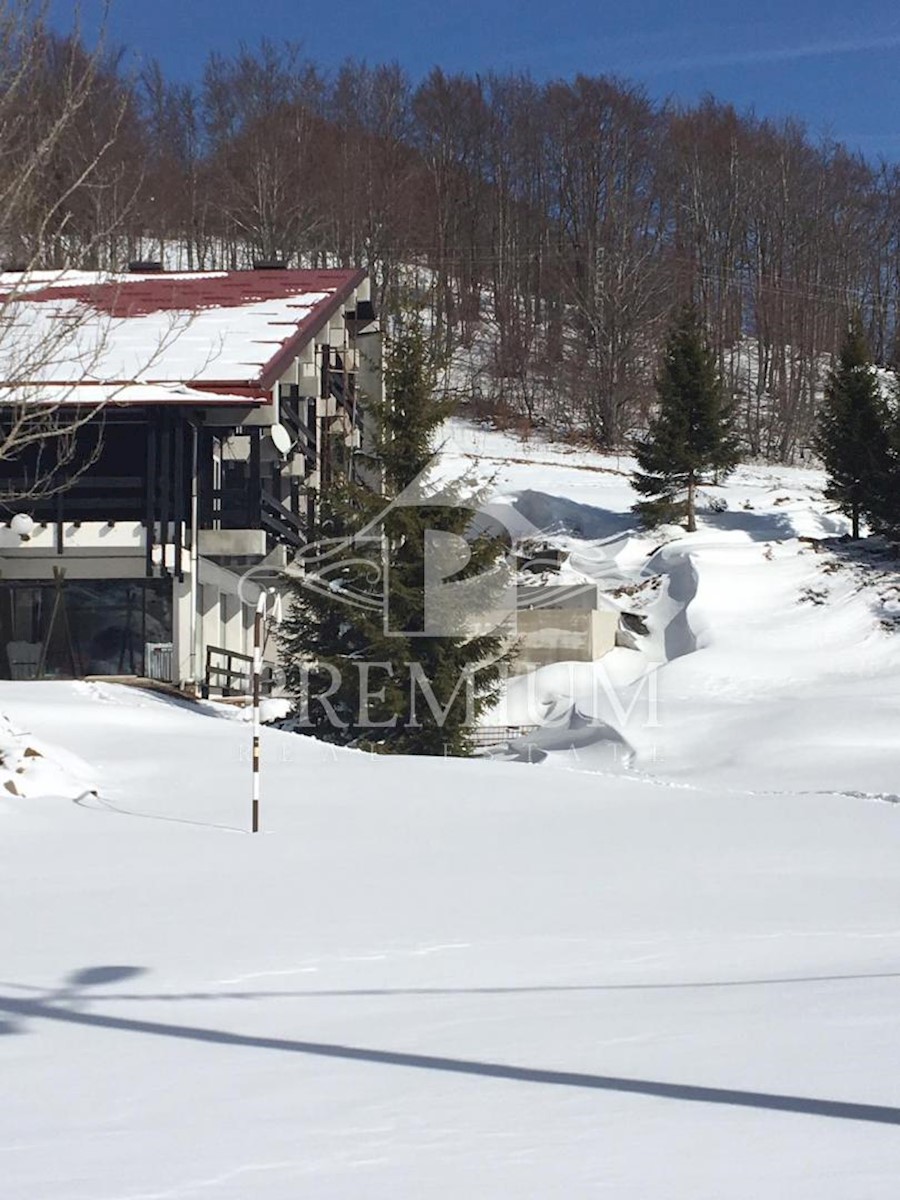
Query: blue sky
point(834, 65)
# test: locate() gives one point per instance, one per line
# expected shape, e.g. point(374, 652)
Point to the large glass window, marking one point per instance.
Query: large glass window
point(82, 627)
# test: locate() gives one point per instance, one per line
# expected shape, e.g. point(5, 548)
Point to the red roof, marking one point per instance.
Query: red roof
point(257, 349)
point(124, 296)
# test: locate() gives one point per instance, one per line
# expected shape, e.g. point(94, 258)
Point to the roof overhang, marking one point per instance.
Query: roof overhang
point(323, 313)
point(97, 395)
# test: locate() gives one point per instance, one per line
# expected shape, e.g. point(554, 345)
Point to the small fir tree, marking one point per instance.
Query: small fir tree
point(692, 434)
point(355, 681)
point(853, 439)
point(884, 506)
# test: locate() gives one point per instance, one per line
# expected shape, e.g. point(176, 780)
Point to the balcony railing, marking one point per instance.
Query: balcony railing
point(280, 522)
point(239, 509)
point(91, 498)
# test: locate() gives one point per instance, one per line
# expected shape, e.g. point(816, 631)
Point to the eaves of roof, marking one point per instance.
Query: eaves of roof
point(281, 360)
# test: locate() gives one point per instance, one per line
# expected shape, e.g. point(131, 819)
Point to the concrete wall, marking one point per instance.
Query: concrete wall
point(549, 635)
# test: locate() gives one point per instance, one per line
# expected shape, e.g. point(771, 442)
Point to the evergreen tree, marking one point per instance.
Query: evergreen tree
point(359, 661)
point(334, 622)
point(884, 508)
point(691, 435)
point(852, 438)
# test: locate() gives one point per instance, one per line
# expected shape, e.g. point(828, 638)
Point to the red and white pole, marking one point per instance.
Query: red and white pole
point(257, 676)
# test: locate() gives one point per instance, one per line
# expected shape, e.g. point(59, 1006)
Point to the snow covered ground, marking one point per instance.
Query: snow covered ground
point(669, 973)
point(775, 660)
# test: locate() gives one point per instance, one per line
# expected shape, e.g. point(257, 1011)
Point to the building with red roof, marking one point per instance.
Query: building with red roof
point(206, 412)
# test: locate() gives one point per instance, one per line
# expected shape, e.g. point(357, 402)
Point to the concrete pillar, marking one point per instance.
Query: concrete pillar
point(210, 623)
point(248, 614)
point(184, 669)
point(232, 626)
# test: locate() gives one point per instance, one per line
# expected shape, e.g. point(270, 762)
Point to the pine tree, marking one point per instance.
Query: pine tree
point(692, 433)
point(383, 681)
point(852, 438)
point(333, 623)
point(884, 505)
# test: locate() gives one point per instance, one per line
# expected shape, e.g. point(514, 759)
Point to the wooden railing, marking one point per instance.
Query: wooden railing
point(230, 673)
point(92, 498)
point(280, 522)
point(234, 509)
point(223, 676)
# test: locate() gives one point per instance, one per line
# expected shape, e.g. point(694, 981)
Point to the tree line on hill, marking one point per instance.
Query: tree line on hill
point(549, 229)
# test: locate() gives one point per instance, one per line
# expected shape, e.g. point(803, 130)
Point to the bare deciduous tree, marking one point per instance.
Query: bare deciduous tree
point(550, 228)
point(69, 145)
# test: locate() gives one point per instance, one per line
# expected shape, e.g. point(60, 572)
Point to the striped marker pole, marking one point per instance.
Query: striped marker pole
point(257, 673)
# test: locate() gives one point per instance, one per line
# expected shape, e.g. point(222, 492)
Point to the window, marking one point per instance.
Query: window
point(81, 627)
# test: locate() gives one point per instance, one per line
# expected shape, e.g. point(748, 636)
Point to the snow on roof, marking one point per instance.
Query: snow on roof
point(229, 334)
point(98, 394)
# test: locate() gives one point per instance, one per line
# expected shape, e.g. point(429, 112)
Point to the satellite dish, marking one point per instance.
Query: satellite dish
point(281, 440)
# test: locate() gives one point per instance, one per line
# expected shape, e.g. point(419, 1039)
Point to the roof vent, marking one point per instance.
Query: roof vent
point(269, 264)
point(148, 266)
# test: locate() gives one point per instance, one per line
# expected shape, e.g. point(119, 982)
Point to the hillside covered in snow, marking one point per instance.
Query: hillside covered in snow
point(659, 959)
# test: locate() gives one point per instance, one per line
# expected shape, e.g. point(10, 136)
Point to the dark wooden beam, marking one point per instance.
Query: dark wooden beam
point(165, 483)
point(255, 487)
point(60, 543)
point(180, 430)
point(150, 512)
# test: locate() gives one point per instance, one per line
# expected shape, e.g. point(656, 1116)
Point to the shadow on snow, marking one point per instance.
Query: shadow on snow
point(63, 1005)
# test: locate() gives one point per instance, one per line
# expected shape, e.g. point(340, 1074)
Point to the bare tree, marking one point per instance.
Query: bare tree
point(606, 169)
point(550, 228)
point(67, 144)
point(266, 145)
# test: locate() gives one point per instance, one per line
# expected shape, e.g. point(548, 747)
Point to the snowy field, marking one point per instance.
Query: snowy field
point(661, 965)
